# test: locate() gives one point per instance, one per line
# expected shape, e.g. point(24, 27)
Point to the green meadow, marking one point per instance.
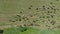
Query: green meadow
point(30, 31)
point(18, 31)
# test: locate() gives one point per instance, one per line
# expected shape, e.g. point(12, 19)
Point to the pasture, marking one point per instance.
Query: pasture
point(39, 14)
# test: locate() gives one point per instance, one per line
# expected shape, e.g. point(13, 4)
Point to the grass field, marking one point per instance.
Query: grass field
point(30, 31)
point(40, 14)
point(17, 31)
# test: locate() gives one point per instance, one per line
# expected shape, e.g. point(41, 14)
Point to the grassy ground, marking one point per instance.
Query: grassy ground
point(18, 31)
point(30, 31)
point(44, 14)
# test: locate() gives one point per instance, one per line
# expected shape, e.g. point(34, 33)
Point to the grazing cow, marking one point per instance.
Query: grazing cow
point(52, 22)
